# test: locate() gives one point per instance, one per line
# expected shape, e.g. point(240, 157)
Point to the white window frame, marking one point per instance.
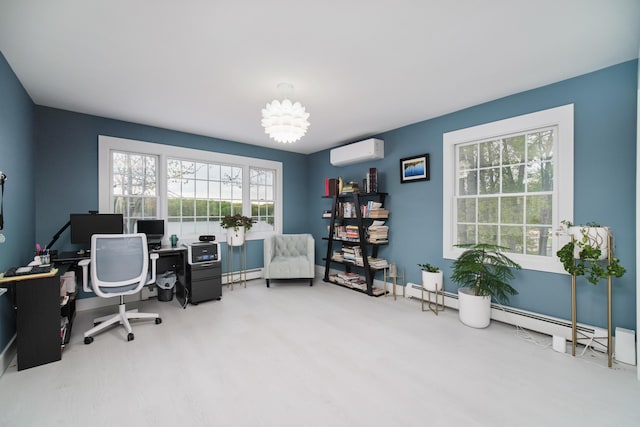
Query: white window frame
point(562, 117)
point(108, 144)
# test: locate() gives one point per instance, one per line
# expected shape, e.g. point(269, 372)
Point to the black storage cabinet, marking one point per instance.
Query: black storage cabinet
point(204, 282)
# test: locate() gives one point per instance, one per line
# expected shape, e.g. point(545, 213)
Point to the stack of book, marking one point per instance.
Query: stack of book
point(346, 278)
point(352, 254)
point(377, 263)
point(350, 187)
point(378, 213)
point(378, 232)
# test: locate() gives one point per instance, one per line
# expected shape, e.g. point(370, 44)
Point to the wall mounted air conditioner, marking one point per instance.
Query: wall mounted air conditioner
point(369, 149)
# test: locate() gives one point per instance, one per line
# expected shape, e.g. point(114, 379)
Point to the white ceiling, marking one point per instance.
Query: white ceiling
point(360, 67)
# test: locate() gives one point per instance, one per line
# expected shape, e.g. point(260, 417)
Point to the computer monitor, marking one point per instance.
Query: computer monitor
point(153, 228)
point(83, 226)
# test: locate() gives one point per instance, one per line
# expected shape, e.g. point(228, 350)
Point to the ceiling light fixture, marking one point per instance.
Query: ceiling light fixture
point(285, 121)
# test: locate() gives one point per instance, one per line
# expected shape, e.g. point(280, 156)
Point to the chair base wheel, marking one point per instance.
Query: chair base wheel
point(88, 340)
point(130, 336)
point(158, 320)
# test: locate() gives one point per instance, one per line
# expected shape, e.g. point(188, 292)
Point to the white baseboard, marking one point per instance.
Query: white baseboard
point(7, 355)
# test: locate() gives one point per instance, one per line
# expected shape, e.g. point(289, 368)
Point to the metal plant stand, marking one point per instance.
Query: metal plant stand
point(241, 275)
point(574, 323)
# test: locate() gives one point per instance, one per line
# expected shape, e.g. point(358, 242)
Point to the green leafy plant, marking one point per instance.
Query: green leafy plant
point(428, 267)
point(485, 270)
point(588, 262)
point(236, 221)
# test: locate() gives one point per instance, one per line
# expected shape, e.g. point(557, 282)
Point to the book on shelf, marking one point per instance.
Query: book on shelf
point(330, 186)
point(372, 176)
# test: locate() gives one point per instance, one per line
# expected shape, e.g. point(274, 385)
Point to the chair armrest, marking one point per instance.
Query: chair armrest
point(153, 258)
point(84, 263)
point(311, 253)
point(268, 254)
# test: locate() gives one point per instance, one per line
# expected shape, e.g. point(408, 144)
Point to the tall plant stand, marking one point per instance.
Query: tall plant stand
point(240, 276)
point(574, 326)
point(395, 276)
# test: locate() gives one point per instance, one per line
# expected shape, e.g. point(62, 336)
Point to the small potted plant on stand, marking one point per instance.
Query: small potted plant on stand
point(583, 255)
point(236, 225)
point(431, 277)
point(483, 272)
point(432, 283)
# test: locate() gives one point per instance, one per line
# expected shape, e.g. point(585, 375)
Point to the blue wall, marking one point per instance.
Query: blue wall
point(16, 161)
point(605, 126)
point(67, 159)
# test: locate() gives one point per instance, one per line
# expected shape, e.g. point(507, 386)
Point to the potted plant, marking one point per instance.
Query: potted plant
point(483, 272)
point(236, 226)
point(588, 251)
point(431, 277)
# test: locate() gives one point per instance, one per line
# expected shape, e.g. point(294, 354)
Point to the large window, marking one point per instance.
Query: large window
point(510, 183)
point(190, 189)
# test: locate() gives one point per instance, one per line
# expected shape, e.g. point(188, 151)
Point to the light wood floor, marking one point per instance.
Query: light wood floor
point(295, 355)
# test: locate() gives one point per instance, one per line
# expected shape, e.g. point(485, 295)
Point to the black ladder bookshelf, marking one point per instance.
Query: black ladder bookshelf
point(366, 247)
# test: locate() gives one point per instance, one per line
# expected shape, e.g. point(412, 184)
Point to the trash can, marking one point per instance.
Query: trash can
point(165, 284)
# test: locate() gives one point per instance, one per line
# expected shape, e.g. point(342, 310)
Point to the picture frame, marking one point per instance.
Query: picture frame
point(414, 169)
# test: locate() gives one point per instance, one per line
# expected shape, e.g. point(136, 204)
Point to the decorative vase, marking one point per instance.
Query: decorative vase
point(235, 237)
point(473, 310)
point(432, 282)
point(597, 237)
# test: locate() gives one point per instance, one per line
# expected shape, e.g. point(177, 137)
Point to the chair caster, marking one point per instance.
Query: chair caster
point(130, 336)
point(158, 320)
point(88, 340)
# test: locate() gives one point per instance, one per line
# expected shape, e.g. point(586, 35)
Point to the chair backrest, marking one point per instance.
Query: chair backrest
point(288, 245)
point(119, 262)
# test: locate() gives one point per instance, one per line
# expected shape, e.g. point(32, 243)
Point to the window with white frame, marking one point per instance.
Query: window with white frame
point(510, 183)
point(261, 189)
point(190, 189)
point(133, 178)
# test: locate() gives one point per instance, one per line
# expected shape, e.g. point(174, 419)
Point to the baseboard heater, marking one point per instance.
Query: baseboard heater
point(548, 325)
point(255, 273)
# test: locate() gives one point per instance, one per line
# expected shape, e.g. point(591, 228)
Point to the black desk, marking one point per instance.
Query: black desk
point(36, 300)
point(169, 259)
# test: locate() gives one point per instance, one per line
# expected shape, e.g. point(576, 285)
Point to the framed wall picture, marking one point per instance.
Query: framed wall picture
point(414, 168)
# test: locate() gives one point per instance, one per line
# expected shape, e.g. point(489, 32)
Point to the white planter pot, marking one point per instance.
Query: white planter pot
point(235, 237)
point(598, 237)
point(474, 311)
point(432, 282)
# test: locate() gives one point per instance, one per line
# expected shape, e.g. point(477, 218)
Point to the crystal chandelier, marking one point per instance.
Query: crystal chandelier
point(285, 121)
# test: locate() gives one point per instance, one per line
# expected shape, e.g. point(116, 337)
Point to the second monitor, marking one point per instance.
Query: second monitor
point(153, 228)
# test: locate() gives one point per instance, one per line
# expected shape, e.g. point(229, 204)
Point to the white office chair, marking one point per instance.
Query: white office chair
point(119, 266)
